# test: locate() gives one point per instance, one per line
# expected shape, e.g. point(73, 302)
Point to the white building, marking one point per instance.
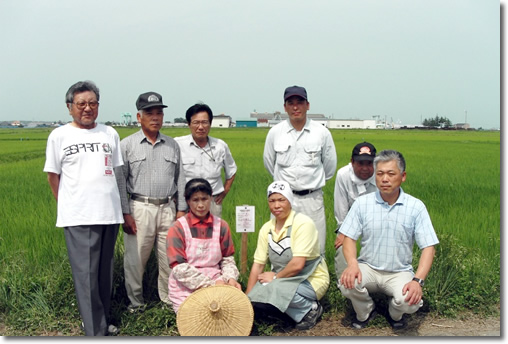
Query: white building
point(351, 124)
point(221, 121)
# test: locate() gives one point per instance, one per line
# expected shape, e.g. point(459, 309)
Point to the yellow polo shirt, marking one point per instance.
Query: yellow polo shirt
point(304, 243)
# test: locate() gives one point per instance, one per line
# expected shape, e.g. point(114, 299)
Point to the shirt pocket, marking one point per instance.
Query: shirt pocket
point(170, 163)
point(312, 155)
point(136, 164)
point(283, 154)
point(404, 234)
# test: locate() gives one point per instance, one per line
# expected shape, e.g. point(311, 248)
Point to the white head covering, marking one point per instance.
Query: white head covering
point(280, 187)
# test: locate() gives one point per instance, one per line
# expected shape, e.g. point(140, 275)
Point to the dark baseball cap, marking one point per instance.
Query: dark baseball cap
point(295, 91)
point(364, 152)
point(148, 100)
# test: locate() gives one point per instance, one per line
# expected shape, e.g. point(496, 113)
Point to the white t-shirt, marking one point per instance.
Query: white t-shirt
point(85, 160)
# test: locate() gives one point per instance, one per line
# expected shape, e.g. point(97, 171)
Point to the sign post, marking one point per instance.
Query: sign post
point(245, 223)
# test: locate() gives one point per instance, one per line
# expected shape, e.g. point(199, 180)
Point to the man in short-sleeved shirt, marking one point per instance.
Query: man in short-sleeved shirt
point(205, 157)
point(388, 222)
point(80, 161)
point(302, 153)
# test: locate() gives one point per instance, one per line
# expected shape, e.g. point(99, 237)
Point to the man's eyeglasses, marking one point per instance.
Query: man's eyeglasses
point(81, 105)
point(198, 123)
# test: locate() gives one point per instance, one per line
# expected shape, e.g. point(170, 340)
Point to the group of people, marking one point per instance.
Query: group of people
point(168, 193)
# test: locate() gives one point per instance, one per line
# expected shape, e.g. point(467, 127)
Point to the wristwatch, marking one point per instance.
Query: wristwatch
point(274, 277)
point(420, 281)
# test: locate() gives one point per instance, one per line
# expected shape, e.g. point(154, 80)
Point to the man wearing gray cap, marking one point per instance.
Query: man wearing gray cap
point(302, 153)
point(149, 182)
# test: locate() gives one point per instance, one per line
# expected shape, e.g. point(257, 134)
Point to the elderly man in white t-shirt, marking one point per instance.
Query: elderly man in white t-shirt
point(80, 161)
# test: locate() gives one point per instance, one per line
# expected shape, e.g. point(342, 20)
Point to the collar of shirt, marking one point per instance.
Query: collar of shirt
point(142, 137)
point(290, 126)
point(400, 200)
point(211, 142)
point(193, 220)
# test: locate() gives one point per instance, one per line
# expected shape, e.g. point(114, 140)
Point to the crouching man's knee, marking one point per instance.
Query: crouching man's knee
point(399, 306)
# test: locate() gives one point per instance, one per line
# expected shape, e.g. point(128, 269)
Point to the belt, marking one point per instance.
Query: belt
point(303, 192)
point(152, 200)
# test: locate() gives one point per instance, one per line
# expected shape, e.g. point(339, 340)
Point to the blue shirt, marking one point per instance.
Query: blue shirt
point(388, 232)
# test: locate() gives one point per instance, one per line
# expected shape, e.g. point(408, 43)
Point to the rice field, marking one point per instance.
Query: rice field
point(455, 173)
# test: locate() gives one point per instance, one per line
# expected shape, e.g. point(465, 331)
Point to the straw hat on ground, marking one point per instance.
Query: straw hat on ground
point(220, 310)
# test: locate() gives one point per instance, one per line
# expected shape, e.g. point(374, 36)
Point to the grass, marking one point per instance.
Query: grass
point(456, 174)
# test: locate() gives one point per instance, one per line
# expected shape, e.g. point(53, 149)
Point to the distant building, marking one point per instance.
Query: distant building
point(464, 126)
point(222, 121)
point(351, 124)
point(272, 118)
point(247, 123)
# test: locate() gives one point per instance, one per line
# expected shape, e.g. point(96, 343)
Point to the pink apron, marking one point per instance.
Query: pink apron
point(203, 254)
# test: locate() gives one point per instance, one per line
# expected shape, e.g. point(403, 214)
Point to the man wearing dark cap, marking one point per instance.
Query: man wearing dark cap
point(352, 181)
point(149, 182)
point(302, 153)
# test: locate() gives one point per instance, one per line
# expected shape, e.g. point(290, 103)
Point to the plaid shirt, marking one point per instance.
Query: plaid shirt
point(175, 244)
point(153, 170)
point(388, 233)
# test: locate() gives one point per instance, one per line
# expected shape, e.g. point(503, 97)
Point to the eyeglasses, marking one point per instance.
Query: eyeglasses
point(81, 105)
point(198, 123)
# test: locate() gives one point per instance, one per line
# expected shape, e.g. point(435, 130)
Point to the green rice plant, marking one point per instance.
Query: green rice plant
point(456, 174)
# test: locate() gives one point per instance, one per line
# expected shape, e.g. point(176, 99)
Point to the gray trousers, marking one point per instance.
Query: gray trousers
point(91, 250)
point(302, 302)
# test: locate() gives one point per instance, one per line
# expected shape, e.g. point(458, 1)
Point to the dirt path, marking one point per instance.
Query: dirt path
point(418, 325)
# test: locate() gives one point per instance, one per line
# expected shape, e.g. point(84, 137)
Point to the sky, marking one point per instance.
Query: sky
point(401, 60)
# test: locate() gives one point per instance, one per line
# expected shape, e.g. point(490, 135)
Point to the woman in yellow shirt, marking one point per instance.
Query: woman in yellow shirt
point(299, 277)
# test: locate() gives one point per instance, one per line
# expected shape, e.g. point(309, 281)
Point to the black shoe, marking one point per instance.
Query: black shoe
point(310, 319)
point(357, 324)
point(397, 324)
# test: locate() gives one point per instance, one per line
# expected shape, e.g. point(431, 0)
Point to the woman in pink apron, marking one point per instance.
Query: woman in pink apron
point(199, 247)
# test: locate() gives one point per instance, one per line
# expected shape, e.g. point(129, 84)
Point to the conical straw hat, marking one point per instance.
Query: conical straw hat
point(220, 310)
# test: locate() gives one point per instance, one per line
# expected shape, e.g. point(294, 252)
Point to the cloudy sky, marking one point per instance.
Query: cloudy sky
point(401, 60)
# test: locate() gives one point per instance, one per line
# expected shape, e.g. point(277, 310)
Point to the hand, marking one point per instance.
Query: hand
point(220, 197)
point(220, 282)
point(129, 225)
point(339, 240)
point(347, 279)
point(414, 292)
point(234, 283)
point(266, 277)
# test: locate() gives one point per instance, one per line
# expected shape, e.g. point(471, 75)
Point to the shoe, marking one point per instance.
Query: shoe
point(397, 324)
point(136, 309)
point(357, 324)
point(112, 330)
point(310, 319)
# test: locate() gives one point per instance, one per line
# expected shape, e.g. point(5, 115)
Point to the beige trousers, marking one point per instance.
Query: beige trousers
point(216, 209)
point(388, 283)
point(153, 222)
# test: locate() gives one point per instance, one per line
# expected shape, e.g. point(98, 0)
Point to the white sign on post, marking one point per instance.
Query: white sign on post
point(245, 218)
